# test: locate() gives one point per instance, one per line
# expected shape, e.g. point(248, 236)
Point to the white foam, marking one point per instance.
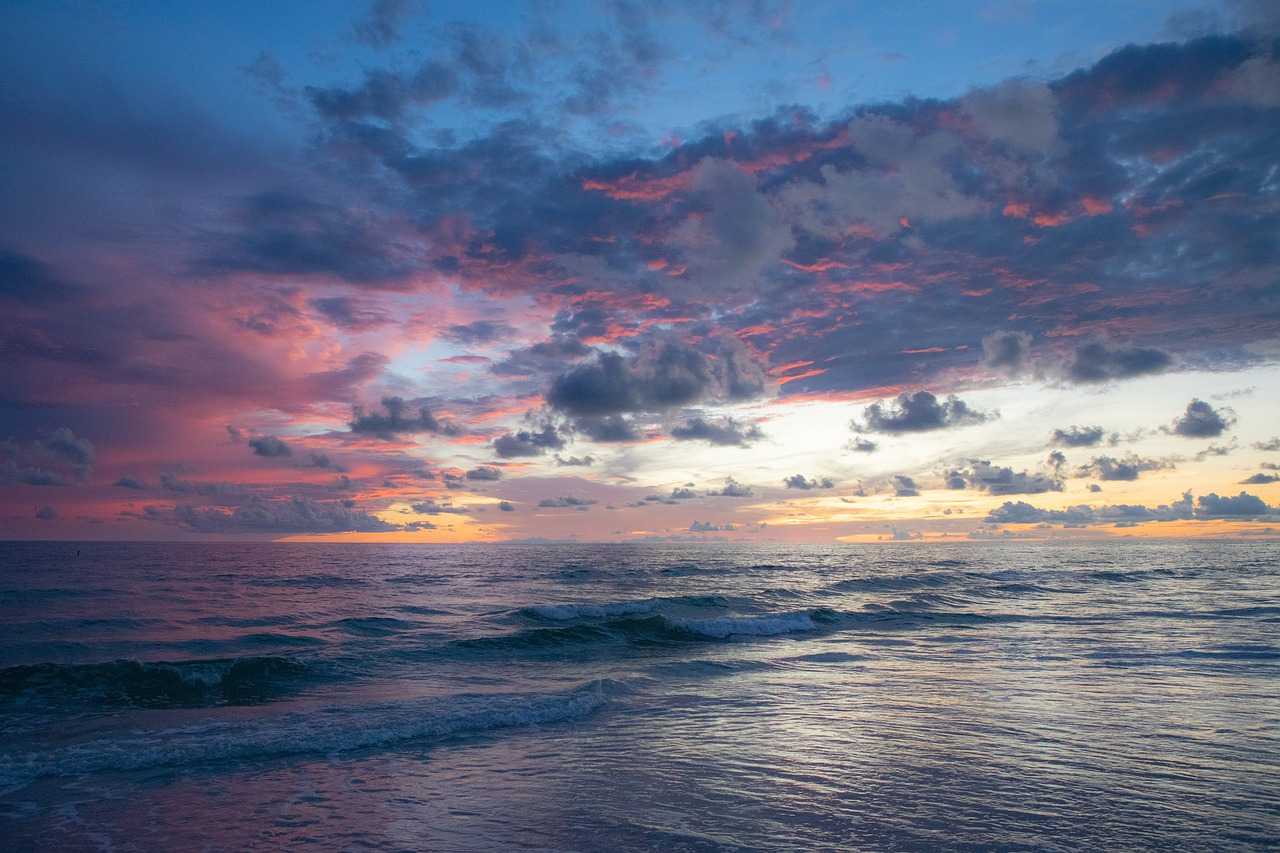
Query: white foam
point(753, 626)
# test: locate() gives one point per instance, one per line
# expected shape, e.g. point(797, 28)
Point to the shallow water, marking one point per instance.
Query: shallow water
point(657, 697)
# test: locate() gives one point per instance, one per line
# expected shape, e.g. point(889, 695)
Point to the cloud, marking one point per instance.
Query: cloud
point(1020, 112)
point(380, 27)
point(739, 235)
point(25, 279)
point(731, 489)
point(1210, 506)
point(506, 506)
point(1097, 361)
point(919, 412)
point(682, 493)
point(862, 445)
point(261, 515)
point(1001, 480)
point(1127, 468)
point(528, 443)
point(430, 506)
point(710, 527)
point(799, 481)
point(477, 332)
point(904, 486)
point(269, 446)
point(1201, 420)
point(1271, 444)
point(726, 433)
point(484, 472)
point(565, 502)
point(1078, 436)
point(1006, 352)
point(1243, 505)
point(129, 483)
point(348, 313)
point(547, 356)
point(285, 234)
point(46, 513)
point(607, 429)
point(56, 459)
point(1020, 512)
point(1261, 479)
point(394, 421)
point(575, 461)
point(668, 375)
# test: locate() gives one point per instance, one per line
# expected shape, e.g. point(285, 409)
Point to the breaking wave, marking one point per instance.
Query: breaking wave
point(326, 730)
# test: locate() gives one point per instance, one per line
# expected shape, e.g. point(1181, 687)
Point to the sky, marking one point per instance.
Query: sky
point(733, 270)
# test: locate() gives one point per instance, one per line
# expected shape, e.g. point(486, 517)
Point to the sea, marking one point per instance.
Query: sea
point(672, 696)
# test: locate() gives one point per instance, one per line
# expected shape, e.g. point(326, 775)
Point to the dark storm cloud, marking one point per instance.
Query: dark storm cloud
point(1078, 436)
point(396, 420)
point(727, 432)
point(1202, 420)
point(1097, 361)
point(269, 446)
point(919, 412)
point(800, 481)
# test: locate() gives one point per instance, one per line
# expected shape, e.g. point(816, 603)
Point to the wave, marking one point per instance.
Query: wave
point(913, 580)
point(655, 629)
point(131, 683)
point(769, 625)
point(319, 581)
point(609, 609)
point(570, 612)
point(374, 626)
point(319, 732)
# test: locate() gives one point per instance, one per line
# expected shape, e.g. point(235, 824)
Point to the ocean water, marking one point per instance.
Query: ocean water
point(639, 697)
